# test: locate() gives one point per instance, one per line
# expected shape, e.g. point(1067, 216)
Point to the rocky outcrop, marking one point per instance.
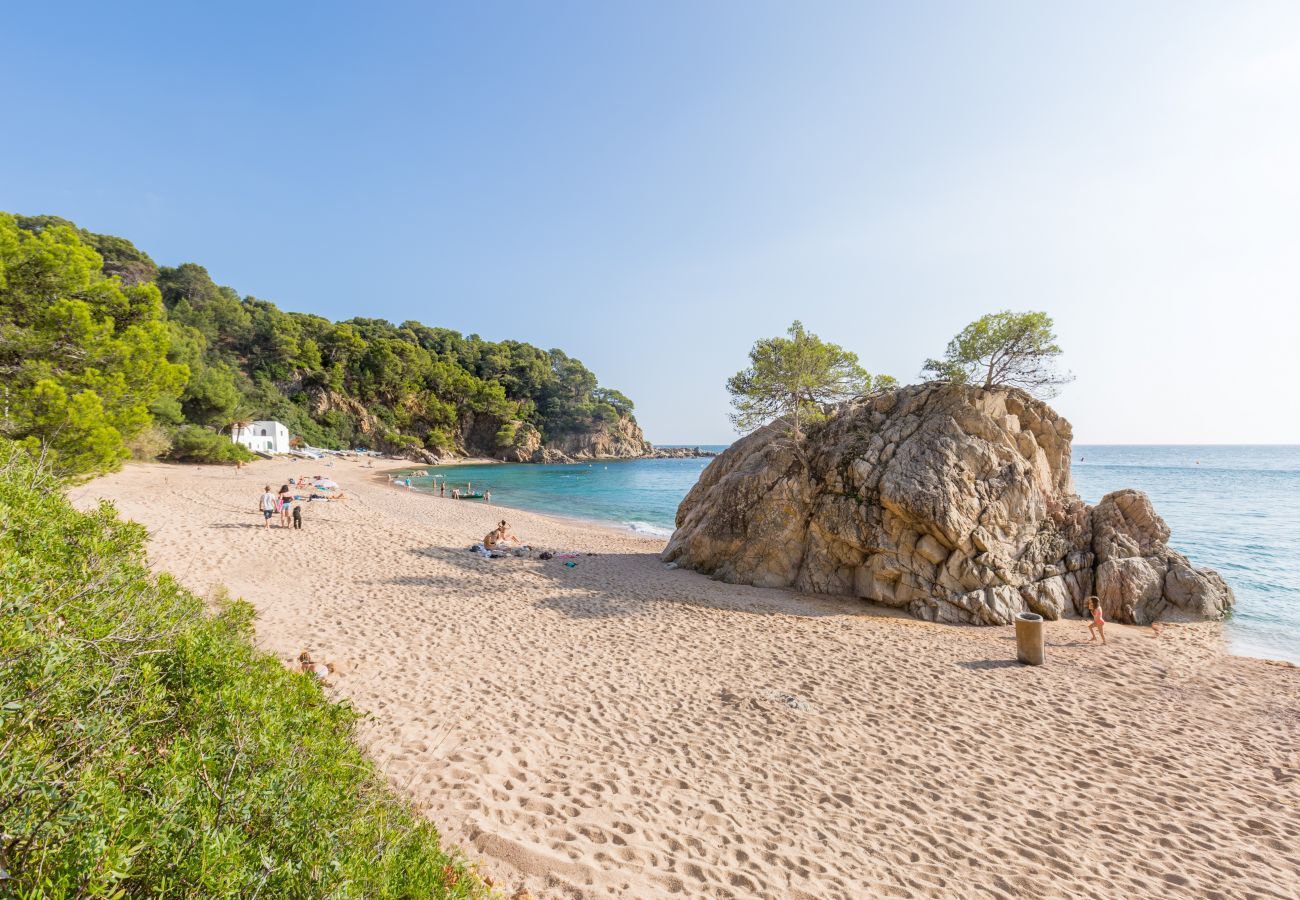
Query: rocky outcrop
point(1137, 576)
point(951, 502)
point(680, 453)
point(322, 401)
point(621, 439)
point(527, 444)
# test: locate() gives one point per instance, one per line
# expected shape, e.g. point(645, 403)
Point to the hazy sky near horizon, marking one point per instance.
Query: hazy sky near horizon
point(652, 187)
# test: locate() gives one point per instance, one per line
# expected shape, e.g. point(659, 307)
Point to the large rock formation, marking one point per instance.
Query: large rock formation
point(612, 440)
point(951, 502)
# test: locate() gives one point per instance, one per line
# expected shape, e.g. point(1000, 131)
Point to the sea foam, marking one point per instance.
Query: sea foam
point(647, 528)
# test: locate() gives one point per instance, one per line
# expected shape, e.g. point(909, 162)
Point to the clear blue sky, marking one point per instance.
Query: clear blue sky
point(652, 187)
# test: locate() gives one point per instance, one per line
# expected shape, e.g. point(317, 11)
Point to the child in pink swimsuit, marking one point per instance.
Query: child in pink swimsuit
point(1097, 627)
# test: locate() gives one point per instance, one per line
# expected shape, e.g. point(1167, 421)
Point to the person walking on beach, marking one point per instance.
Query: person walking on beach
point(442, 488)
point(284, 502)
point(1097, 627)
point(487, 496)
point(267, 506)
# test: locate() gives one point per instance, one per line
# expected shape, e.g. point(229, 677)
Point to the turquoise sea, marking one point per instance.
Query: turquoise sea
point(1232, 508)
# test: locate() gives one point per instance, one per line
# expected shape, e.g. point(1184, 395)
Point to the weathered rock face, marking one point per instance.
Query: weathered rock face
point(527, 444)
point(951, 502)
point(616, 440)
point(324, 401)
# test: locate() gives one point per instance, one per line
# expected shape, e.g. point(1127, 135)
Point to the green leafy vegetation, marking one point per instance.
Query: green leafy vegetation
point(191, 443)
point(99, 345)
point(149, 750)
point(794, 378)
point(82, 356)
point(1003, 349)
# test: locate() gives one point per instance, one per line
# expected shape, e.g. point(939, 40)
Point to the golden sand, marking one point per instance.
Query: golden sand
point(619, 729)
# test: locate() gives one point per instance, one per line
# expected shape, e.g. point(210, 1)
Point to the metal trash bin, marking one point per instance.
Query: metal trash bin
point(1029, 638)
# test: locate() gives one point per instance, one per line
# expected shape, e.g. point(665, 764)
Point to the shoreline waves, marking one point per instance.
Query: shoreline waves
point(619, 729)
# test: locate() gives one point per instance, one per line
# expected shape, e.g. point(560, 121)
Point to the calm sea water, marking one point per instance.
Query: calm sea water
point(1232, 508)
point(641, 494)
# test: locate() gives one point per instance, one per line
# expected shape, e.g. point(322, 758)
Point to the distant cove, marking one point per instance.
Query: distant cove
point(641, 494)
point(1233, 508)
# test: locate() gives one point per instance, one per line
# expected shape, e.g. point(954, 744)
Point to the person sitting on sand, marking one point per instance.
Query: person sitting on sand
point(318, 670)
point(500, 537)
point(1098, 624)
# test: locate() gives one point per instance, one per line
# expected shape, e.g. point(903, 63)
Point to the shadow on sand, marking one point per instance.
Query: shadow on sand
point(979, 664)
point(609, 585)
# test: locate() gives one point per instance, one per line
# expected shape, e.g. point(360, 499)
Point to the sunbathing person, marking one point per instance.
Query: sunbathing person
point(319, 670)
point(501, 537)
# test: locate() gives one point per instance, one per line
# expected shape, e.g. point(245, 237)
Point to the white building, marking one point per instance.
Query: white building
point(263, 437)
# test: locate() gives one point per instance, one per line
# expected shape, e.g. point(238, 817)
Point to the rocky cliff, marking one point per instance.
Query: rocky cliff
point(611, 440)
point(622, 439)
point(953, 503)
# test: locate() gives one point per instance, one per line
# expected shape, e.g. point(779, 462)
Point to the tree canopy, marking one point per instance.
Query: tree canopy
point(793, 378)
point(1004, 349)
point(83, 356)
point(98, 345)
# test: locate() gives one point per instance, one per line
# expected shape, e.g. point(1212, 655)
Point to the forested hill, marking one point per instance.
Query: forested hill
point(106, 354)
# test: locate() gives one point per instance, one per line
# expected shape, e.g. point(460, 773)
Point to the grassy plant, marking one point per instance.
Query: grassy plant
point(148, 750)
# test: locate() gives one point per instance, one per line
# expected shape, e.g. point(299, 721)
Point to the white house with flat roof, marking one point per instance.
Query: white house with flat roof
point(263, 437)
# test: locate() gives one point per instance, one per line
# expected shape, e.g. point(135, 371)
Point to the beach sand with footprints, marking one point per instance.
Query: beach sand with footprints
point(620, 729)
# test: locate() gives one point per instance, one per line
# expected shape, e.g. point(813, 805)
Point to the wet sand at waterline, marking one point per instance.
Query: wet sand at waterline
point(618, 729)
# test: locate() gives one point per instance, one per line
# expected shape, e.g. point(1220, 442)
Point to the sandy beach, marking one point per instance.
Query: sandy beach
point(620, 729)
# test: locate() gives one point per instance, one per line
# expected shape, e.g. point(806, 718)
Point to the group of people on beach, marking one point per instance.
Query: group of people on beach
point(456, 493)
point(288, 505)
point(468, 493)
point(282, 503)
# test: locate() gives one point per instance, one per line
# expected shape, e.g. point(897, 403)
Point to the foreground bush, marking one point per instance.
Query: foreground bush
point(147, 749)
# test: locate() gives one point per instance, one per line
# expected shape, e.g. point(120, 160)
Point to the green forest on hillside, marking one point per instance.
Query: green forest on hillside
point(106, 354)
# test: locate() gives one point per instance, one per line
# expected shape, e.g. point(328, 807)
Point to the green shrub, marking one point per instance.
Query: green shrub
point(192, 443)
point(506, 434)
point(149, 750)
point(150, 444)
